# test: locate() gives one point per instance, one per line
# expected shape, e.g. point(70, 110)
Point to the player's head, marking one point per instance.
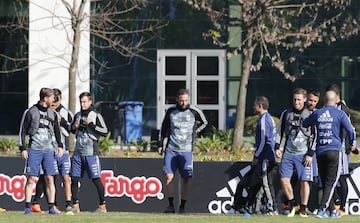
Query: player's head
point(330, 98)
point(261, 104)
point(85, 100)
point(57, 98)
point(299, 98)
point(313, 97)
point(182, 98)
point(47, 96)
point(335, 88)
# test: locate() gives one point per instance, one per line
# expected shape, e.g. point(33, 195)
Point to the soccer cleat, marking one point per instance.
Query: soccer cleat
point(335, 214)
point(291, 213)
point(2, 209)
point(27, 211)
point(285, 209)
point(342, 213)
point(181, 210)
point(169, 209)
point(56, 209)
point(101, 209)
point(308, 212)
point(322, 214)
point(303, 214)
point(70, 210)
point(315, 212)
point(77, 207)
point(52, 211)
point(246, 215)
point(36, 208)
point(243, 211)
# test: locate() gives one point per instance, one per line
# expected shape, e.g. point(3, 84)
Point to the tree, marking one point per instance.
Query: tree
point(277, 31)
point(119, 25)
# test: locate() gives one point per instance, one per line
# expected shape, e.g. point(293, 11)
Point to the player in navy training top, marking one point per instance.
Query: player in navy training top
point(329, 121)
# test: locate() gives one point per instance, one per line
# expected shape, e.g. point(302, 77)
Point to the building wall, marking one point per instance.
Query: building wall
point(50, 48)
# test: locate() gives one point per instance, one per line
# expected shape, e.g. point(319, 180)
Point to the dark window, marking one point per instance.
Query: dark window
point(212, 117)
point(207, 66)
point(175, 65)
point(208, 92)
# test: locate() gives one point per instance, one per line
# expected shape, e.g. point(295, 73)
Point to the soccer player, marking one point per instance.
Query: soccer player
point(329, 121)
point(88, 125)
point(261, 173)
point(180, 125)
point(313, 97)
point(298, 152)
point(64, 117)
point(39, 122)
point(342, 191)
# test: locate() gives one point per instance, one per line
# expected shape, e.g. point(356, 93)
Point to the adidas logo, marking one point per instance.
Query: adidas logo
point(325, 117)
point(226, 195)
point(353, 199)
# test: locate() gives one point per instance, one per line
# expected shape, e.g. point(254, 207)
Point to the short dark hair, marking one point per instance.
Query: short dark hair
point(45, 92)
point(333, 87)
point(182, 92)
point(85, 94)
point(57, 94)
point(263, 101)
point(314, 92)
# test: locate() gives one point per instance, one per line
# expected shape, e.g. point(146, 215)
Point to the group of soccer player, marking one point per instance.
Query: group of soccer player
point(48, 125)
point(314, 147)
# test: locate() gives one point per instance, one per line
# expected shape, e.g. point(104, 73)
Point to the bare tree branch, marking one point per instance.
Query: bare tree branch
point(273, 30)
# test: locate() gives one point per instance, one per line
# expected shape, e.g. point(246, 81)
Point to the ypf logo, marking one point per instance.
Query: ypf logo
point(225, 196)
point(353, 199)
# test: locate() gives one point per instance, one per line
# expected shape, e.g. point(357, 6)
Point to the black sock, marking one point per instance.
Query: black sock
point(39, 189)
point(182, 204)
point(291, 203)
point(27, 204)
point(303, 207)
point(68, 203)
point(51, 205)
point(100, 190)
point(74, 189)
point(171, 201)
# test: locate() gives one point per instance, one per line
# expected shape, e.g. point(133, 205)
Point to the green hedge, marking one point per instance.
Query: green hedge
point(7, 145)
point(355, 120)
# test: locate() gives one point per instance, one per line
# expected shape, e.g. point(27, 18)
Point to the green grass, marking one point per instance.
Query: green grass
point(86, 217)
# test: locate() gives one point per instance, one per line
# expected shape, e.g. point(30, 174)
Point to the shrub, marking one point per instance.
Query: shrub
point(105, 144)
point(141, 145)
point(355, 120)
point(215, 140)
point(7, 145)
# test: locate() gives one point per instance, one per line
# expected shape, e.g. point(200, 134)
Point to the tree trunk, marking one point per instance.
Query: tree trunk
point(74, 61)
point(238, 137)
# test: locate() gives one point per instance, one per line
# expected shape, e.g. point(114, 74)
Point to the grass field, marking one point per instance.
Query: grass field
point(87, 217)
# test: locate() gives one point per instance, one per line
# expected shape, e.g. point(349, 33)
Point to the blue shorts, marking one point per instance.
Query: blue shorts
point(290, 163)
point(183, 161)
point(90, 164)
point(64, 164)
point(41, 158)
